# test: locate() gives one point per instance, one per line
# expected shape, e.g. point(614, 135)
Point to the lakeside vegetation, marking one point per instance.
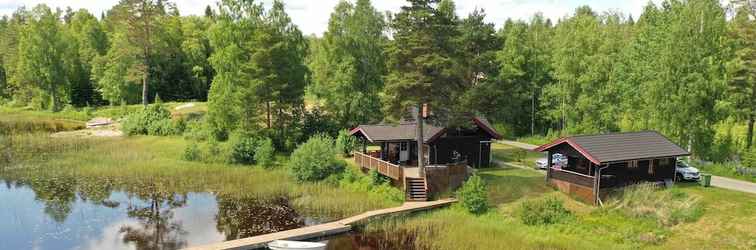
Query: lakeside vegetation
point(137, 162)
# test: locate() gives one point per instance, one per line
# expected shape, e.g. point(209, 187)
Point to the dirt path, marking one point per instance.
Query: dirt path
point(732, 184)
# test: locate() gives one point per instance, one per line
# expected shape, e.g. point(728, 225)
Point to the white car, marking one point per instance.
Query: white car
point(683, 171)
point(556, 159)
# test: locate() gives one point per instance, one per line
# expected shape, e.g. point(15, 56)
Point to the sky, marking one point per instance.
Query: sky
point(312, 15)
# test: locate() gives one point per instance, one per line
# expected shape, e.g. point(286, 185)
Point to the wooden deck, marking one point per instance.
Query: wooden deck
point(388, 169)
point(325, 229)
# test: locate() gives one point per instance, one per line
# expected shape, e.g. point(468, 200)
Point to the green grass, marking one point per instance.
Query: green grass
point(727, 221)
point(506, 153)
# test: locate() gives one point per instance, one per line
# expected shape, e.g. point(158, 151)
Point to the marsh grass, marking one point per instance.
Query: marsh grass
point(137, 162)
point(668, 207)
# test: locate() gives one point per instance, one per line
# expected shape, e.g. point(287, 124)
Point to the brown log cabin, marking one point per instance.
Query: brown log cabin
point(448, 154)
point(596, 164)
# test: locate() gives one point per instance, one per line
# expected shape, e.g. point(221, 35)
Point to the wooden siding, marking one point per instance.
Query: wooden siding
point(581, 192)
point(572, 177)
point(392, 171)
point(467, 146)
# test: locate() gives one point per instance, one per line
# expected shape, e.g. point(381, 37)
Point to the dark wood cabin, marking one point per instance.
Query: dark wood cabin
point(442, 145)
point(618, 159)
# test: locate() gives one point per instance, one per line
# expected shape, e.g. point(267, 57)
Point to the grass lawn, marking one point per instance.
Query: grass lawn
point(728, 221)
point(506, 153)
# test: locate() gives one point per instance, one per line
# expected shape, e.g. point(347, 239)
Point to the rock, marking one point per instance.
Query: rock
point(99, 122)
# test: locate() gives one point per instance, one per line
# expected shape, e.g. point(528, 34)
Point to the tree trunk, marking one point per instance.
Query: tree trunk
point(54, 96)
point(749, 136)
point(419, 121)
point(267, 104)
point(145, 100)
point(532, 113)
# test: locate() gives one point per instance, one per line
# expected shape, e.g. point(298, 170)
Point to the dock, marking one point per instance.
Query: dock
point(325, 229)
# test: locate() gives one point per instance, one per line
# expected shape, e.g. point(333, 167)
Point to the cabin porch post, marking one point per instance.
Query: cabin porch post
point(548, 165)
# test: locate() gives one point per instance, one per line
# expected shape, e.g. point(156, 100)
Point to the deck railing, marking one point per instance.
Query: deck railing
point(393, 171)
point(572, 177)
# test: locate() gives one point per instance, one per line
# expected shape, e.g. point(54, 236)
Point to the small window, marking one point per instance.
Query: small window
point(403, 146)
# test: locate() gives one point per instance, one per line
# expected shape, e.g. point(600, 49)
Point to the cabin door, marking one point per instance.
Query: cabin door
point(403, 151)
point(484, 155)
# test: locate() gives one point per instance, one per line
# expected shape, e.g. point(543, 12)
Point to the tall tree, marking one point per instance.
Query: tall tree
point(196, 47)
point(87, 41)
point(423, 64)
point(3, 81)
point(259, 60)
point(140, 19)
point(741, 68)
point(348, 64)
point(41, 58)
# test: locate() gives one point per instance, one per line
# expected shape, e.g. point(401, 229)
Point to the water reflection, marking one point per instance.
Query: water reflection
point(250, 217)
point(68, 213)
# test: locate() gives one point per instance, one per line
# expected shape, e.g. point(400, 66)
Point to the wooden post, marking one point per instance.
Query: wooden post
point(419, 134)
point(548, 165)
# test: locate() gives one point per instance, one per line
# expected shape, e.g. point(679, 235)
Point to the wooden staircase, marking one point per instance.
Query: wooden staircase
point(416, 189)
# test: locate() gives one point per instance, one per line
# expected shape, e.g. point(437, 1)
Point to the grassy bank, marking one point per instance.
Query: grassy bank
point(727, 220)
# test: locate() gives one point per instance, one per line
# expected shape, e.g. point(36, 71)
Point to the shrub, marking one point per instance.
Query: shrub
point(195, 130)
point(355, 181)
point(345, 143)
point(192, 152)
point(161, 128)
point(315, 159)
point(377, 178)
point(243, 149)
point(153, 120)
point(749, 158)
point(265, 152)
point(473, 195)
point(668, 207)
point(544, 211)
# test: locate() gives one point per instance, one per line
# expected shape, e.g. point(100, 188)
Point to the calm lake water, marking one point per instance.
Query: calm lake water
point(47, 215)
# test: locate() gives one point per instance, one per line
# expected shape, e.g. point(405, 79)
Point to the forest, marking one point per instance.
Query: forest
point(686, 68)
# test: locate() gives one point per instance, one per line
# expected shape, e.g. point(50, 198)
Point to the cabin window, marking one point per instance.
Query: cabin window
point(403, 146)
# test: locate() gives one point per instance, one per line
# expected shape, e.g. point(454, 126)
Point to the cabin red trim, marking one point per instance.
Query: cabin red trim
point(574, 145)
point(488, 130)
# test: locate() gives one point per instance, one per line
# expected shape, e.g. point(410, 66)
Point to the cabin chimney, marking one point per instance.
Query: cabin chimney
point(426, 110)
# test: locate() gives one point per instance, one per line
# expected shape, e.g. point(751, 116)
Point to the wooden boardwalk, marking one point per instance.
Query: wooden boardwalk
point(325, 229)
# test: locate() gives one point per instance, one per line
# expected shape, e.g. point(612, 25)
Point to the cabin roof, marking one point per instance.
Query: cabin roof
point(406, 130)
point(400, 132)
point(614, 147)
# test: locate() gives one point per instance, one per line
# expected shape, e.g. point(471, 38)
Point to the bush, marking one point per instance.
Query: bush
point(473, 195)
point(315, 160)
point(265, 152)
point(153, 120)
point(192, 152)
point(195, 130)
point(749, 158)
point(545, 211)
point(243, 149)
point(345, 143)
point(355, 181)
point(377, 178)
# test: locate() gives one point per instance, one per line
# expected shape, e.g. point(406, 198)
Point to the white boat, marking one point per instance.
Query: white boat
point(295, 245)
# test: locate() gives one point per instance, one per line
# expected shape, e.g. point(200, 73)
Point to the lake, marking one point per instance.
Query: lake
point(45, 214)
